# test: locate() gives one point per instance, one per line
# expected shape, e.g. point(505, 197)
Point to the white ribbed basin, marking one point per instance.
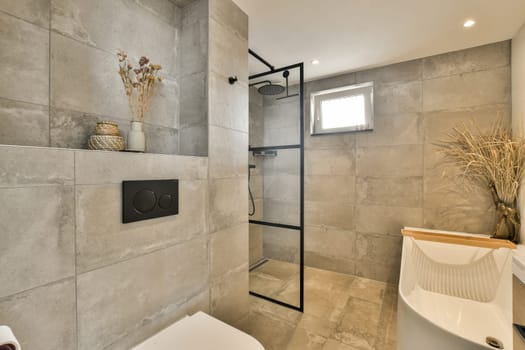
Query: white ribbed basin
point(453, 296)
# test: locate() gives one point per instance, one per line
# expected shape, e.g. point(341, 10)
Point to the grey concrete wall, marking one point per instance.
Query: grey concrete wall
point(73, 276)
point(362, 188)
point(228, 160)
point(61, 70)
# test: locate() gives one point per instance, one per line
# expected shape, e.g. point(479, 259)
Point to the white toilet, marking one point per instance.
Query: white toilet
point(200, 332)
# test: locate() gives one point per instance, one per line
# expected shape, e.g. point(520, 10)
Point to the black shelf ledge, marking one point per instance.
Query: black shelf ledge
point(274, 224)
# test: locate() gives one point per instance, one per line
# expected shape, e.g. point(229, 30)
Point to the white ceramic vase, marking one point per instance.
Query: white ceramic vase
point(136, 138)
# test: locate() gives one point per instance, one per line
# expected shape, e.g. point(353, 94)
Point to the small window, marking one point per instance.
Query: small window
point(344, 109)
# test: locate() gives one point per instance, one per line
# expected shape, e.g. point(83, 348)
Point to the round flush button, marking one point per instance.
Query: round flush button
point(144, 201)
point(165, 201)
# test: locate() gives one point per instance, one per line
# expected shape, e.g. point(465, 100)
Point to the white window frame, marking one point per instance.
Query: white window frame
point(316, 98)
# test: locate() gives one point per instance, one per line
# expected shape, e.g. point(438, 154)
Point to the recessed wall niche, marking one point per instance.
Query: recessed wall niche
point(61, 71)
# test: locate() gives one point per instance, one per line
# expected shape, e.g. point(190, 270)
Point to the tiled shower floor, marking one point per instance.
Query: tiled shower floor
point(341, 311)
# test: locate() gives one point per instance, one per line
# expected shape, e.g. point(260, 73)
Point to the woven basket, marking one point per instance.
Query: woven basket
point(107, 128)
point(106, 143)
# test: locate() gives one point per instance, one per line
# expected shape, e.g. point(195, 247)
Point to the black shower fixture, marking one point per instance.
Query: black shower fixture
point(286, 74)
point(269, 88)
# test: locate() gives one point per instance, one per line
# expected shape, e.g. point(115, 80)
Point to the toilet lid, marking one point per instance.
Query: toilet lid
point(200, 332)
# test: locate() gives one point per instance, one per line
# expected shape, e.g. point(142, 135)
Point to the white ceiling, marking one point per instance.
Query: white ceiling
point(349, 35)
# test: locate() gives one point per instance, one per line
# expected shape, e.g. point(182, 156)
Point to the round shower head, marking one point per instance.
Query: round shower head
point(271, 89)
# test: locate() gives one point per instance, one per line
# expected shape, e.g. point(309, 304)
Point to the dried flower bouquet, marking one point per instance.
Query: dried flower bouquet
point(139, 83)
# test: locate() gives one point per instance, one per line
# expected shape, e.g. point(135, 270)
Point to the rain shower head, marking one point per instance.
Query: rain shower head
point(269, 88)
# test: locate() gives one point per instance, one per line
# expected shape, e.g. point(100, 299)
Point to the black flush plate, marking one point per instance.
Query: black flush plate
point(142, 200)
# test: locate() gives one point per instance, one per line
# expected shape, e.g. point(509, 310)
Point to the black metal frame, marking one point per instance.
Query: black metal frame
point(300, 147)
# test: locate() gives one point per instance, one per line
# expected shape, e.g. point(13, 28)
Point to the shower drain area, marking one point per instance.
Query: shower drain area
point(495, 343)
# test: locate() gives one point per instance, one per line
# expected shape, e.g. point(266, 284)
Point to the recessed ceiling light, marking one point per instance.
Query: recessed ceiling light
point(315, 61)
point(469, 23)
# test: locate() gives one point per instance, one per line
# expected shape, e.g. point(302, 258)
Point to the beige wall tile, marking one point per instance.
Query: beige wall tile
point(330, 214)
point(281, 244)
point(329, 162)
point(282, 187)
point(36, 222)
point(228, 156)
point(382, 249)
point(462, 219)
point(328, 83)
point(404, 71)
point(228, 250)
point(281, 211)
point(230, 15)
point(390, 191)
point(403, 129)
point(194, 140)
point(97, 167)
point(256, 243)
point(228, 103)
point(228, 202)
point(390, 161)
point(23, 123)
point(330, 188)
point(102, 238)
point(397, 98)
point(330, 242)
point(386, 220)
point(336, 264)
point(465, 61)
point(25, 65)
point(178, 273)
point(34, 11)
point(467, 90)
point(44, 317)
point(229, 296)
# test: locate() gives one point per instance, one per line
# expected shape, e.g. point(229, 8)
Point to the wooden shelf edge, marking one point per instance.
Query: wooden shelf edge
point(474, 241)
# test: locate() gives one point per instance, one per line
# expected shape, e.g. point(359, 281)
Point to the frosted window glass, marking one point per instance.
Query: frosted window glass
point(343, 112)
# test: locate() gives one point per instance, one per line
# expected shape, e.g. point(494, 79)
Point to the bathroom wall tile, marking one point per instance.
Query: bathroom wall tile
point(194, 44)
point(281, 187)
point(465, 61)
point(281, 244)
point(437, 125)
point(36, 222)
point(77, 20)
point(40, 166)
point(44, 317)
point(194, 140)
point(404, 71)
point(228, 202)
point(256, 243)
point(168, 11)
point(462, 219)
point(199, 302)
point(257, 184)
point(104, 318)
point(193, 100)
point(330, 242)
point(281, 115)
point(25, 65)
point(192, 10)
point(99, 167)
point(281, 136)
point(227, 154)
point(329, 83)
point(103, 239)
point(390, 191)
point(160, 139)
point(378, 248)
point(286, 162)
point(228, 53)
point(329, 162)
point(255, 97)
point(229, 297)
point(386, 220)
point(397, 98)
point(466, 90)
point(230, 15)
point(390, 161)
point(329, 263)
point(228, 250)
point(34, 11)
point(281, 211)
point(403, 129)
point(327, 141)
point(228, 104)
point(378, 271)
point(330, 214)
point(329, 188)
point(451, 191)
point(23, 123)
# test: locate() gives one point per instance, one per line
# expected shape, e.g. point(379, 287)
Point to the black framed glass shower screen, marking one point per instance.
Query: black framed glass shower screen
point(276, 155)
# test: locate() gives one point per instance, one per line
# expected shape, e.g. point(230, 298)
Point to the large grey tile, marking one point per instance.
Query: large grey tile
point(193, 99)
point(228, 104)
point(329, 263)
point(44, 317)
point(167, 11)
point(229, 296)
point(329, 161)
point(467, 90)
point(272, 332)
point(359, 324)
point(461, 218)
point(228, 202)
point(281, 187)
point(404, 71)
point(161, 140)
point(23, 123)
point(329, 188)
point(383, 249)
point(386, 220)
point(282, 211)
point(328, 141)
point(390, 161)
point(390, 191)
point(227, 155)
point(402, 129)
point(193, 140)
point(105, 318)
point(330, 242)
point(98, 167)
point(100, 28)
point(465, 61)
point(228, 250)
point(22, 166)
point(37, 234)
point(194, 44)
point(230, 15)
point(25, 65)
point(330, 214)
point(103, 239)
point(281, 244)
point(34, 11)
point(397, 98)
point(329, 83)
